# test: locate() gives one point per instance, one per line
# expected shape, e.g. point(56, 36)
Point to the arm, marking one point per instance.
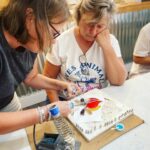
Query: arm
point(115, 68)
point(9, 121)
point(141, 54)
point(51, 71)
point(142, 60)
point(40, 81)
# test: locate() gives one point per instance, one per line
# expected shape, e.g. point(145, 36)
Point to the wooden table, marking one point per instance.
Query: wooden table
point(95, 144)
point(136, 93)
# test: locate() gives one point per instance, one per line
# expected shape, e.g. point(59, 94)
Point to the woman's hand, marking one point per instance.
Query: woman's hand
point(64, 107)
point(103, 38)
point(71, 89)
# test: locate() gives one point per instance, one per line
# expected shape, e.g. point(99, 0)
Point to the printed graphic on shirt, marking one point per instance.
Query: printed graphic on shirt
point(87, 76)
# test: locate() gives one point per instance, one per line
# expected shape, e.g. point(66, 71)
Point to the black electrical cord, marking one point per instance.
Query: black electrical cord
point(34, 137)
point(65, 147)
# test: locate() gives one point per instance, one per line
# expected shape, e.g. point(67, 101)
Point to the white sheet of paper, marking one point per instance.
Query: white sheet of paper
point(111, 112)
point(87, 117)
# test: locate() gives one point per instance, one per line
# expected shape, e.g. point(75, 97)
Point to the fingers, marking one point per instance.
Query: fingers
point(73, 90)
point(103, 37)
point(79, 90)
point(104, 29)
point(64, 108)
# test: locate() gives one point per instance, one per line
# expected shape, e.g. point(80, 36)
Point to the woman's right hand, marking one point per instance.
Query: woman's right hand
point(72, 89)
point(64, 107)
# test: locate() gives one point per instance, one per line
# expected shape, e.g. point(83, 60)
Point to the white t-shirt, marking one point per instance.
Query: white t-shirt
point(66, 53)
point(142, 49)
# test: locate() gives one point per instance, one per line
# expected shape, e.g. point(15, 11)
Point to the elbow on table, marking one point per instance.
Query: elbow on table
point(120, 79)
point(138, 60)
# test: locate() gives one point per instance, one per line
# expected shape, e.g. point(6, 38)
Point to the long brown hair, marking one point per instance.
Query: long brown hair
point(13, 17)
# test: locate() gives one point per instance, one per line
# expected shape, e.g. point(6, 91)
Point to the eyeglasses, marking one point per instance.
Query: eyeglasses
point(56, 33)
point(84, 67)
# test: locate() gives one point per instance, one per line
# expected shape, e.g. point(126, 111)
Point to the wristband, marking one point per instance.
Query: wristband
point(42, 116)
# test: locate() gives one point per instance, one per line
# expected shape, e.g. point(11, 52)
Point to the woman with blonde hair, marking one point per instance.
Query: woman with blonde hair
point(87, 54)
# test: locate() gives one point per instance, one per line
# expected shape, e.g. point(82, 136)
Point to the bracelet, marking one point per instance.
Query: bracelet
point(42, 116)
point(49, 113)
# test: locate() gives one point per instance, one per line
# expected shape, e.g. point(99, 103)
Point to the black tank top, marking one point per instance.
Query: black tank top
point(15, 64)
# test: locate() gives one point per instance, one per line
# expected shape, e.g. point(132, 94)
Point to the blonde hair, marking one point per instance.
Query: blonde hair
point(98, 8)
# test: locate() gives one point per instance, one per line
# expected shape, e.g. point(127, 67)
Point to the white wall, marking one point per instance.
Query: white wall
point(33, 98)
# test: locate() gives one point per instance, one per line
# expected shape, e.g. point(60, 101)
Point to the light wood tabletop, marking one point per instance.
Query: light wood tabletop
point(95, 144)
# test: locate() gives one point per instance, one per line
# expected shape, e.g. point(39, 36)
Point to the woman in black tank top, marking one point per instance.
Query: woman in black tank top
point(28, 27)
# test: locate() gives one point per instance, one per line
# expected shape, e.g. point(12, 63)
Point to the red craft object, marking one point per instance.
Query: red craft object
point(93, 103)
